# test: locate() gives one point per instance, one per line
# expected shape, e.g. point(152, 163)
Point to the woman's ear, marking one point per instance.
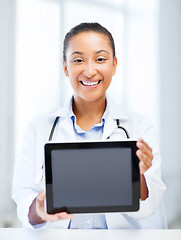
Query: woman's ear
point(65, 69)
point(114, 65)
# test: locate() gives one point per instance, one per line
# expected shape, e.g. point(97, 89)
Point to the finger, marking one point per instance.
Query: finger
point(145, 150)
point(40, 204)
point(49, 217)
point(144, 158)
point(143, 144)
point(41, 196)
point(146, 144)
point(55, 217)
point(65, 215)
point(143, 167)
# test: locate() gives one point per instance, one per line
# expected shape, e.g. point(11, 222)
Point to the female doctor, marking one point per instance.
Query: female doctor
point(89, 62)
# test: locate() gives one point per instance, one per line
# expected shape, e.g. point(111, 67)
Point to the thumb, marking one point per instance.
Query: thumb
point(41, 196)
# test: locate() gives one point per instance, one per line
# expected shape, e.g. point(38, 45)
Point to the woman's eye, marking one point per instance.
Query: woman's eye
point(78, 60)
point(101, 59)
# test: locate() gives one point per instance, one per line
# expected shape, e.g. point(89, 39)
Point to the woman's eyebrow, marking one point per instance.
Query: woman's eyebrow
point(100, 51)
point(77, 52)
point(97, 52)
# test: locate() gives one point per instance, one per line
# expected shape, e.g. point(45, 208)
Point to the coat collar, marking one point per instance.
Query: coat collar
point(63, 111)
point(115, 110)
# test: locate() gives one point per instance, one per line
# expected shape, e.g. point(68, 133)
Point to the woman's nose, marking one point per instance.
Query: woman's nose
point(89, 70)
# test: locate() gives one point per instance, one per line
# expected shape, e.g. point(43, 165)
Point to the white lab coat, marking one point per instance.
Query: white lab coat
point(29, 177)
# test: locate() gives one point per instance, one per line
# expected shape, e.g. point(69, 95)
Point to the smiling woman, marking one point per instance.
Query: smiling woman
point(90, 114)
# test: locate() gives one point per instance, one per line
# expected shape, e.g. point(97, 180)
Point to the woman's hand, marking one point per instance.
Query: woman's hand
point(145, 155)
point(38, 215)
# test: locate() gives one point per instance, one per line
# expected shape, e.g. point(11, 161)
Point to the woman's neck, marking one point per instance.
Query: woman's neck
point(88, 113)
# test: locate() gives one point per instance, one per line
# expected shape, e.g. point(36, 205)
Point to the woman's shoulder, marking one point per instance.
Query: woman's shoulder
point(118, 110)
point(50, 116)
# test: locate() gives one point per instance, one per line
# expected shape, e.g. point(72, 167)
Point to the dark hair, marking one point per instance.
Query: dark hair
point(87, 27)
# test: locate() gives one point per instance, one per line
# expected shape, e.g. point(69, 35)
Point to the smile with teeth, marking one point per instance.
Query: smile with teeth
point(88, 83)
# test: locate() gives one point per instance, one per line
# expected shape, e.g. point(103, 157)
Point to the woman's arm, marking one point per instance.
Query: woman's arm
point(143, 188)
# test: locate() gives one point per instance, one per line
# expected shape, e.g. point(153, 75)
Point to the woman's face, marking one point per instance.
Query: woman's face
point(90, 65)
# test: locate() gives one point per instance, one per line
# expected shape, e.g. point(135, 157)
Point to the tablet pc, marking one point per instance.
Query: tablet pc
point(92, 177)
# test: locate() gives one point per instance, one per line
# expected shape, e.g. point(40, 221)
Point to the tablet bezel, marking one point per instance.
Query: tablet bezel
point(88, 145)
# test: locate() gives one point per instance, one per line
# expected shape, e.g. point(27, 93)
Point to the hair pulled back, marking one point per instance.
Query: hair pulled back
point(86, 27)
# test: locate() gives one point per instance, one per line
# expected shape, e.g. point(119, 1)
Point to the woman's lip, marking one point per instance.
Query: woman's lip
point(90, 83)
point(89, 80)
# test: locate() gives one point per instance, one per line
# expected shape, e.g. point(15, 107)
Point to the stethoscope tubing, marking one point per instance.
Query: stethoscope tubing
point(57, 118)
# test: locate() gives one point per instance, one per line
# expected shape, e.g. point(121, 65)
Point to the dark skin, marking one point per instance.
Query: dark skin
point(90, 59)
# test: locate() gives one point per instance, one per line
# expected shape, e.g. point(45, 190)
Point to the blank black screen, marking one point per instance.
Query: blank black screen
point(92, 177)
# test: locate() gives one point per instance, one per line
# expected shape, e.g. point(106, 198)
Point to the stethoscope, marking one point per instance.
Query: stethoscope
point(57, 118)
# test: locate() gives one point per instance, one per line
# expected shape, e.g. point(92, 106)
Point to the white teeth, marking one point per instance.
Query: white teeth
point(90, 83)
